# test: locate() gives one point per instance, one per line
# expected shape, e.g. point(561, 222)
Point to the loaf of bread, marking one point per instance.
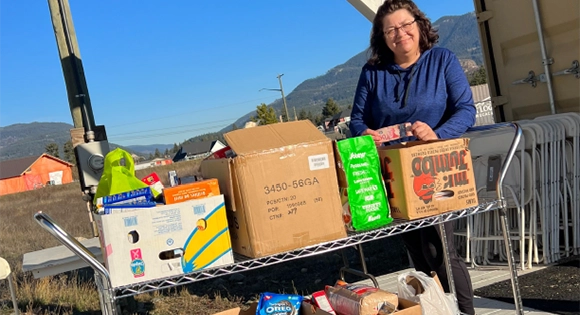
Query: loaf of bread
point(355, 299)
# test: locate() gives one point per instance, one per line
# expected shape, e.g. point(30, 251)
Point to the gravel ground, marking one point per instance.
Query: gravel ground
point(555, 289)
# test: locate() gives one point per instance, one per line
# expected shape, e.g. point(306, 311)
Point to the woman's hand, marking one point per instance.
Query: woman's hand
point(375, 135)
point(422, 131)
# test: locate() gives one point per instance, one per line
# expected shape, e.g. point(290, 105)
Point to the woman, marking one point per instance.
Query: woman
point(406, 79)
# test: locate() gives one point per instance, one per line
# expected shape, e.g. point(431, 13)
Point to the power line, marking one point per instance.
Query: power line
point(168, 128)
point(169, 133)
point(144, 133)
point(190, 112)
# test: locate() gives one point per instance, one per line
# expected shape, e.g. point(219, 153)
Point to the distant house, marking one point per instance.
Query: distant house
point(197, 150)
point(250, 124)
point(327, 123)
point(154, 162)
point(333, 123)
point(33, 172)
point(342, 117)
point(332, 135)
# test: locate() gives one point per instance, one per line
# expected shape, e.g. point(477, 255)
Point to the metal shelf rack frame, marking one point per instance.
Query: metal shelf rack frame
point(109, 295)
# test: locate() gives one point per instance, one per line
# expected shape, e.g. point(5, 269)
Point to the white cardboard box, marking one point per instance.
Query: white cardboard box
point(152, 243)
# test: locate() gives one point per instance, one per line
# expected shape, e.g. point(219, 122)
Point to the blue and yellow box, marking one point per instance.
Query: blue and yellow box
point(143, 244)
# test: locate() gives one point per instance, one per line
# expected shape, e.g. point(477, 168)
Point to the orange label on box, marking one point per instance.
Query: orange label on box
point(196, 190)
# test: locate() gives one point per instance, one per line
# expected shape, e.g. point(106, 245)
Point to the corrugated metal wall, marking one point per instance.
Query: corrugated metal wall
point(482, 101)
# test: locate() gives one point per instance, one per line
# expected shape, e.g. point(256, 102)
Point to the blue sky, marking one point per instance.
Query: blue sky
point(163, 72)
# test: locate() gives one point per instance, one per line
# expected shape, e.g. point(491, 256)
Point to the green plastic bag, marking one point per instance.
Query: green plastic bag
point(367, 207)
point(119, 175)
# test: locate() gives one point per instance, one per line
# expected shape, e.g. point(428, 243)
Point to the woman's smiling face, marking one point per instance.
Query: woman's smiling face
point(401, 33)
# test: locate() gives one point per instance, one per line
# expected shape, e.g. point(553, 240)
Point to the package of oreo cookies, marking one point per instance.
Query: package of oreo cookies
point(279, 304)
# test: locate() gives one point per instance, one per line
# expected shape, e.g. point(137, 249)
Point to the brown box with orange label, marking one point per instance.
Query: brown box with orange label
point(197, 190)
point(428, 178)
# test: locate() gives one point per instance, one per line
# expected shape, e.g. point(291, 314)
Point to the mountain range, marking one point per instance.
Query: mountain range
point(457, 33)
point(21, 140)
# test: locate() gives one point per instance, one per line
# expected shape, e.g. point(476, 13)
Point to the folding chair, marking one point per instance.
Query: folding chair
point(539, 142)
point(492, 145)
point(553, 163)
point(530, 145)
point(568, 125)
point(6, 274)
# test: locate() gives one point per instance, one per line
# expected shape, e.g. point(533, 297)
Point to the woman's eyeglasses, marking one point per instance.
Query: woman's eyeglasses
point(407, 27)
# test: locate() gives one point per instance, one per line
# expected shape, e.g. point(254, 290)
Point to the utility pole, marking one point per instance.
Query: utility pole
point(283, 97)
point(281, 89)
point(295, 116)
point(89, 141)
point(72, 66)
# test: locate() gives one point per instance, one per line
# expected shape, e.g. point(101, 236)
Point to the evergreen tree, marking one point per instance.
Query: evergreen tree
point(166, 152)
point(150, 157)
point(265, 115)
point(478, 77)
point(319, 120)
point(311, 117)
point(175, 148)
point(52, 149)
point(157, 153)
point(234, 127)
point(330, 108)
point(69, 153)
point(302, 115)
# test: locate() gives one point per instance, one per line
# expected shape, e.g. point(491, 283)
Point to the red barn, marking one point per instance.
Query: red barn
point(33, 172)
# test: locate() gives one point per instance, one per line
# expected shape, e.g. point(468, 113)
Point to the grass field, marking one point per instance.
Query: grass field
point(75, 293)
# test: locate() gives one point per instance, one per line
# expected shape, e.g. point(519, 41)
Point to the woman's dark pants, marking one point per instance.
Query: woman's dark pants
point(424, 246)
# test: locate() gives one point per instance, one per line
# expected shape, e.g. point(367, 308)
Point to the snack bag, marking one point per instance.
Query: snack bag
point(279, 304)
point(367, 206)
point(153, 181)
point(355, 299)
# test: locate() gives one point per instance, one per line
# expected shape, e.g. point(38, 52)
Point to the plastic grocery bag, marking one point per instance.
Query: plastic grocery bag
point(416, 286)
point(119, 175)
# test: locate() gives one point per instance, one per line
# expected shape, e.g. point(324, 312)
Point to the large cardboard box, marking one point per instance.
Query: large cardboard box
point(281, 188)
point(152, 243)
point(428, 178)
point(305, 309)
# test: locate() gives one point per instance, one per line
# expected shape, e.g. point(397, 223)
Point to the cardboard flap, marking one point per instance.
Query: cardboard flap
point(341, 175)
point(436, 278)
point(233, 311)
point(407, 307)
point(274, 136)
point(410, 144)
point(415, 284)
point(221, 170)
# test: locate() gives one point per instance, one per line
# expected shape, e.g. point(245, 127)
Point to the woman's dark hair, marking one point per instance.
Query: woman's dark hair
point(380, 53)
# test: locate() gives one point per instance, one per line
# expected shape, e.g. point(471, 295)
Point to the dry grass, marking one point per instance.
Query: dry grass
point(75, 293)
